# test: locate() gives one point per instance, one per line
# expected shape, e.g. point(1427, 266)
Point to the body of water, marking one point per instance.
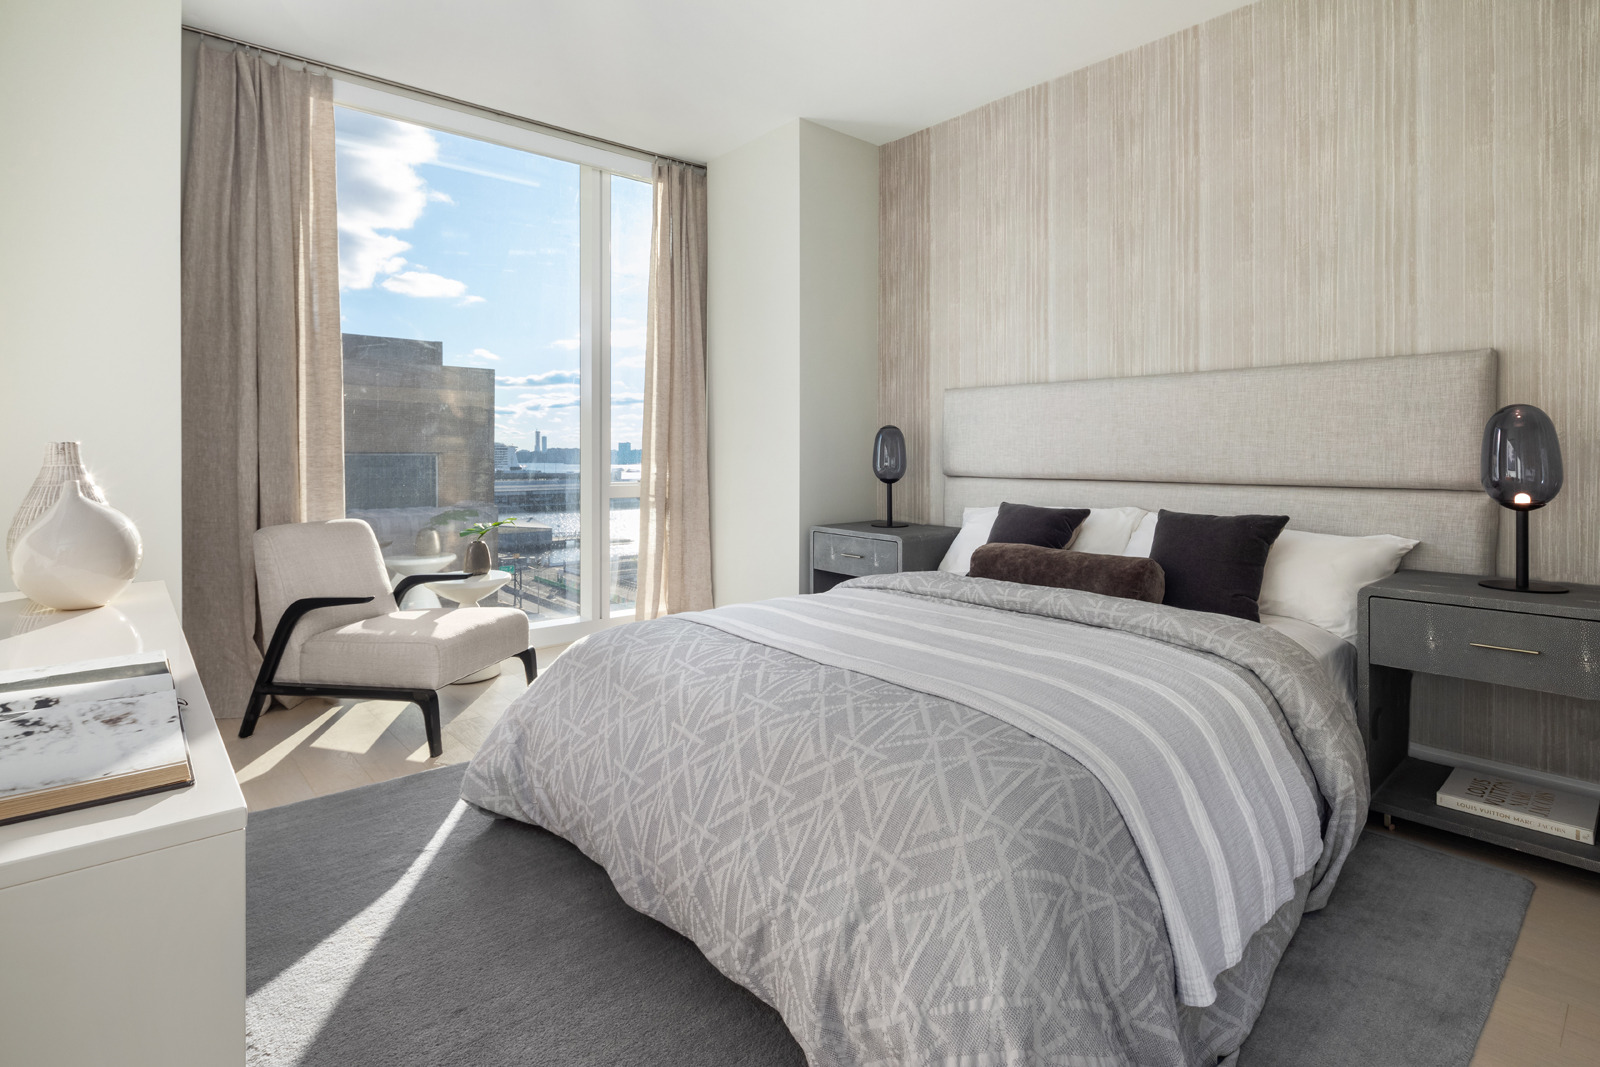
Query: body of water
point(619, 473)
point(564, 526)
point(549, 468)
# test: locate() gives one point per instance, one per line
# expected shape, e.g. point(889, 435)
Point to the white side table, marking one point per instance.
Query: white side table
point(122, 924)
point(470, 591)
point(401, 566)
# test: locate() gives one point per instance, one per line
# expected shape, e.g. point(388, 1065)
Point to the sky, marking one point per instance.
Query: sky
point(446, 238)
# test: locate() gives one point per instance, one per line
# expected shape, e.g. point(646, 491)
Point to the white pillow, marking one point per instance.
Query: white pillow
point(975, 526)
point(1144, 536)
point(1315, 577)
point(1106, 530)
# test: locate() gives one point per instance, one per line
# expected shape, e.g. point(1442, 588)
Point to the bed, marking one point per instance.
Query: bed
point(939, 819)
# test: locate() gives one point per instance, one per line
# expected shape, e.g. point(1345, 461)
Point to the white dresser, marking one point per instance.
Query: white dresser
point(122, 925)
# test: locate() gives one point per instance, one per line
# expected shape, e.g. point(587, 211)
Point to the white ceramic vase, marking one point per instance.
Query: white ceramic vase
point(63, 463)
point(80, 554)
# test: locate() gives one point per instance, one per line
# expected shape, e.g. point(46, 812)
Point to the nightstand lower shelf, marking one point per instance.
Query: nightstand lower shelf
point(1409, 793)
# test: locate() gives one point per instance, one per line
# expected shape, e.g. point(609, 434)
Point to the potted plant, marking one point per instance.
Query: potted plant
point(479, 559)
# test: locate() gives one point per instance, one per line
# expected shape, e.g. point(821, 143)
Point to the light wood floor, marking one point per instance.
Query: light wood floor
point(323, 746)
point(1547, 1013)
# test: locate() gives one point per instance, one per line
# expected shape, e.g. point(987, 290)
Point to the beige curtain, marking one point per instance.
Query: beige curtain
point(263, 421)
point(675, 498)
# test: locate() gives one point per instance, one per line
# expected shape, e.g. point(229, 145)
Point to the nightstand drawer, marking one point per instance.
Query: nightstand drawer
point(845, 554)
point(1544, 652)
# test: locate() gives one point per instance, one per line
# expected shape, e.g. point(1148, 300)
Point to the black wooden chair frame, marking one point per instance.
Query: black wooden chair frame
point(427, 699)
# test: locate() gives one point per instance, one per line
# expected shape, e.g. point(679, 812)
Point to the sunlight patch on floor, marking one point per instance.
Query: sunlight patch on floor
point(360, 727)
point(309, 990)
point(281, 751)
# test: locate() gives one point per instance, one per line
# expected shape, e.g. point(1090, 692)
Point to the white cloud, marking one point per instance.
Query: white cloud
point(626, 399)
point(498, 175)
point(422, 283)
point(479, 353)
point(549, 377)
point(568, 343)
point(538, 406)
point(379, 189)
point(380, 192)
point(627, 337)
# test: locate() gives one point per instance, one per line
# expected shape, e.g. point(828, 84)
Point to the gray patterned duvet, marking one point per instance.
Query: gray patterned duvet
point(920, 815)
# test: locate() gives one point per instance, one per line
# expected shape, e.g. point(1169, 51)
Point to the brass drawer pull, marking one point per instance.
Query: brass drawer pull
point(1504, 648)
point(851, 555)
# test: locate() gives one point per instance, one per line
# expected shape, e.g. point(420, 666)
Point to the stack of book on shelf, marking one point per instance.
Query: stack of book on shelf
point(87, 733)
point(1534, 807)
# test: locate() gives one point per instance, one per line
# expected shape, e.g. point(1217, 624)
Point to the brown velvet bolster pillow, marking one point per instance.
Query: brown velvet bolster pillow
point(1129, 577)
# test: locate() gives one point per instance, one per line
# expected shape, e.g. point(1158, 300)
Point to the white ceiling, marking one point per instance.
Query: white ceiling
point(696, 78)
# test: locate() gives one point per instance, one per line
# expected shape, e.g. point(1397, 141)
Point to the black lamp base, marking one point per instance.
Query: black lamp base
point(1521, 584)
point(1531, 587)
point(889, 523)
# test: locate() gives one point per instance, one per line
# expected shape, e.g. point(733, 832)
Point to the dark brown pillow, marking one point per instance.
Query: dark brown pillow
point(1129, 577)
point(1024, 524)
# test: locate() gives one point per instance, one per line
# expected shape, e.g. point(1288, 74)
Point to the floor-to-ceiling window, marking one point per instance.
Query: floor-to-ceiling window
point(631, 215)
point(493, 291)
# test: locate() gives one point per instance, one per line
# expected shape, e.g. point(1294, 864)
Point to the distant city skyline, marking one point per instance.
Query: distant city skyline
point(508, 456)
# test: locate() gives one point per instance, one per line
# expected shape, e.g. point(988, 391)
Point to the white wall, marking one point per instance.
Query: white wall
point(838, 330)
point(753, 363)
point(791, 350)
point(89, 229)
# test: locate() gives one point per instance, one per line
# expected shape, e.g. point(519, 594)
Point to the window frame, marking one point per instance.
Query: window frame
point(597, 165)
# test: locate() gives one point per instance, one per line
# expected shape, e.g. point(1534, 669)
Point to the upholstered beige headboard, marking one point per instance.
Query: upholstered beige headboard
point(1353, 447)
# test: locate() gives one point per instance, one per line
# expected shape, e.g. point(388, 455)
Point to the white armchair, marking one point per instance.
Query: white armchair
point(337, 629)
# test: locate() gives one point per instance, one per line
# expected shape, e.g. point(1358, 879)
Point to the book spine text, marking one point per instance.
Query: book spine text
point(1517, 818)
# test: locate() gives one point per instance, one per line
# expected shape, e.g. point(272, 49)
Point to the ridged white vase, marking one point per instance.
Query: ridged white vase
point(81, 554)
point(63, 463)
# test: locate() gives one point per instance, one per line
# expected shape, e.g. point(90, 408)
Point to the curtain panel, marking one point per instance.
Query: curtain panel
point(675, 497)
point(263, 407)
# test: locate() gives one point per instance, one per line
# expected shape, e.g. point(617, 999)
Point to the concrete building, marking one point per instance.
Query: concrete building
point(505, 456)
point(418, 434)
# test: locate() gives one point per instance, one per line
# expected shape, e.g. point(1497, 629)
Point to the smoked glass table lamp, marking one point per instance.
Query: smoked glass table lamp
point(1521, 471)
point(889, 464)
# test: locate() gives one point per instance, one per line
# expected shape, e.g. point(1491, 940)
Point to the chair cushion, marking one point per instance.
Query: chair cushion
point(413, 649)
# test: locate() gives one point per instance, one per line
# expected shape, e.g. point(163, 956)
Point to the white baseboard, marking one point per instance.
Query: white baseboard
point(1509, 770)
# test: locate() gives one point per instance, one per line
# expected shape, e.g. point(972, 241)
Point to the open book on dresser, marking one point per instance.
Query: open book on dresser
point(77, 734)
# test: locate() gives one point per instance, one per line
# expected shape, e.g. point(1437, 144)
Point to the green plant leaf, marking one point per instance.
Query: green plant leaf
point(479, 529)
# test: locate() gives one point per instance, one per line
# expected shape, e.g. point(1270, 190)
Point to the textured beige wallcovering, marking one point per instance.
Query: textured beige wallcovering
point(903, 391)
point(1297, 180)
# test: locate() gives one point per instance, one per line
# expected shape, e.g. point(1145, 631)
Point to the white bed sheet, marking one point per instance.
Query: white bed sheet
point(1337, 656)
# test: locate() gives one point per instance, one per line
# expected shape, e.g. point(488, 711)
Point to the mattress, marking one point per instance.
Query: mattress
point(897, 812)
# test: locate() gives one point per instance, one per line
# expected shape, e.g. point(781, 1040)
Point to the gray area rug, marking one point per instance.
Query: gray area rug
point(390, 926)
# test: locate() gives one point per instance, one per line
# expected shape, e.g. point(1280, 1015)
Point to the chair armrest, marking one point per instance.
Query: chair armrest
point(411, 581)
point(291, 617)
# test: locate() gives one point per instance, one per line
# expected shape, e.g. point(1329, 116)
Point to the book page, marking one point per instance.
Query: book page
point(65, 743)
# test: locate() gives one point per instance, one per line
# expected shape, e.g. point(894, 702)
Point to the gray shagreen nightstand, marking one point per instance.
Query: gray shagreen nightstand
point(851, 549)
point(1447, 624)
